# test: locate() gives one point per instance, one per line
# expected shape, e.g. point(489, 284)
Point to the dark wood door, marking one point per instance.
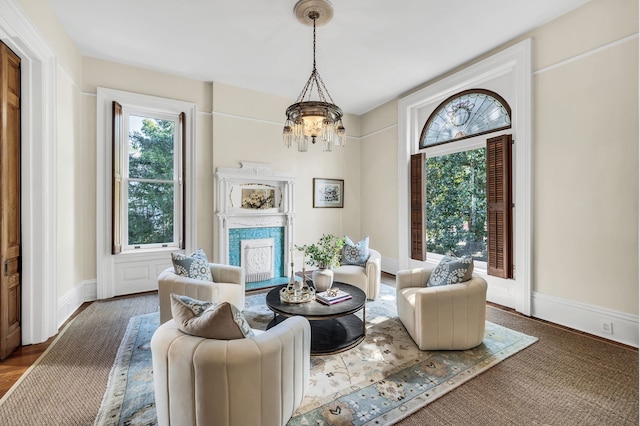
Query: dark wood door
point(10, 334)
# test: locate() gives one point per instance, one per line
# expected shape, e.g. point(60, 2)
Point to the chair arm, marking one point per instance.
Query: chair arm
point(373, 270)
point(416, 277)
point(227, 273)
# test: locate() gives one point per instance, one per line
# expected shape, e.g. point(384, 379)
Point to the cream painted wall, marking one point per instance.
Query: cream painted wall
point(247, 126)
point(88, 187)
point(585, 162)
point(379, 159)
point(586, 158)
point(69, 201)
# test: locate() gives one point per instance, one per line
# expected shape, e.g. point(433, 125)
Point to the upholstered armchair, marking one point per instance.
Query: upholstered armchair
point(257, 380)
point(366, 278)
point(228, 286)
point(446, 317)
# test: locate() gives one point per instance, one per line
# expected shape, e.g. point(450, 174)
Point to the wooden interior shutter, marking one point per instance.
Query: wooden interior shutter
point(499, 207)
point(418, 241)
point(117, 131)
point(183, 156)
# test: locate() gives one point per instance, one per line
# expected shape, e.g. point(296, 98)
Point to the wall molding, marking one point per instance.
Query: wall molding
point(381, 130)
point(586, 318)
point(69, 303)
point(586, 54)
point(389, 265)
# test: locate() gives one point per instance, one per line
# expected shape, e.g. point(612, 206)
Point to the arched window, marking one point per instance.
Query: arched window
point(466, 114)
point(462, 198)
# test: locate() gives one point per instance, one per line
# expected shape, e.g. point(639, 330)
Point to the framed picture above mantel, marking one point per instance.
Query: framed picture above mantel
point(328, 192)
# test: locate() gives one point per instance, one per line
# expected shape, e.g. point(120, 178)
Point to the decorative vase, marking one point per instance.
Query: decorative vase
point(322, 279)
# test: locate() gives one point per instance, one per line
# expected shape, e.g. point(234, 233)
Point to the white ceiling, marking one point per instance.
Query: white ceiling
point(371, 51)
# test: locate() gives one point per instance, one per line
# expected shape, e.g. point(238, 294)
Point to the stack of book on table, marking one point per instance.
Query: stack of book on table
point(332, 296)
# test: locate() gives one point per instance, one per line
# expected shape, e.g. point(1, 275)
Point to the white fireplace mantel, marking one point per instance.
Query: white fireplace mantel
point(234, 185)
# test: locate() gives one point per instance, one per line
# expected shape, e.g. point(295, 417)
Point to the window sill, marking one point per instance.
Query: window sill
point(145, 251)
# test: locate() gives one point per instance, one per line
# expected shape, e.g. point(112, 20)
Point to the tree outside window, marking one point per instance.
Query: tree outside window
point(151, 185)
point(456, 204)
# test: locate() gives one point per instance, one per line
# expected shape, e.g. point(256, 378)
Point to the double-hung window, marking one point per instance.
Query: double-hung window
point(148, 194)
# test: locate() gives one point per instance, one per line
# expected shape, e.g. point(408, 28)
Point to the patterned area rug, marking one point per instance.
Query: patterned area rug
point(381, 381)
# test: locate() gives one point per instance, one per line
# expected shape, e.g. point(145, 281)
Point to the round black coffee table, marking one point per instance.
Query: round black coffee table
point(334, 328)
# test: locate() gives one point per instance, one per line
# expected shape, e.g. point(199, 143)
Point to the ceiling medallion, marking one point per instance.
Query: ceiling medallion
point(320, 118)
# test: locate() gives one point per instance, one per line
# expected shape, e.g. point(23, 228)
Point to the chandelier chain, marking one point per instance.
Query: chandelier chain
point(314, 42)
point(315, 78)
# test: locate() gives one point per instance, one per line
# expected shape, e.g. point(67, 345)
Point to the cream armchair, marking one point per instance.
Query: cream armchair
point(447, 317)
point(228, 286)
point(366, 278)
point(258, 380)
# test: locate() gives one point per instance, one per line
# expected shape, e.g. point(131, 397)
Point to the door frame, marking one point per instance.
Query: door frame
point(38, 171)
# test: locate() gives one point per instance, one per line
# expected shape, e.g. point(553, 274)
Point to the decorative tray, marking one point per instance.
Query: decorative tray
point(297, 292)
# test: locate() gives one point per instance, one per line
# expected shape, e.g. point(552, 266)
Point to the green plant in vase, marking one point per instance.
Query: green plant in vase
point(325, 255)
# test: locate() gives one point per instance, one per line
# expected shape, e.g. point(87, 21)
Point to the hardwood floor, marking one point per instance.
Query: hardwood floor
point(19, 362)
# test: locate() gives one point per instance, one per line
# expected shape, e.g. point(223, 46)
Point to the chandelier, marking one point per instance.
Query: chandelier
point(320, 118)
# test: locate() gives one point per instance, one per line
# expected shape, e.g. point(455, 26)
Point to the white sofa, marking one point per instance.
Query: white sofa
point(258, 380)
point(228, 286)
point(446, 317)
point(366, 278)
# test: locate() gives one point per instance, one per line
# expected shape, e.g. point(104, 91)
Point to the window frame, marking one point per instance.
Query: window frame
point(509, 72)
point(452, 147)
point(436, 113)
point(136, 271)
point(178, 181)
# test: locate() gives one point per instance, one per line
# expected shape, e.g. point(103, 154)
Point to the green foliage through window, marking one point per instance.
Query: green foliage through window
point(456, 204)
point(151, 187)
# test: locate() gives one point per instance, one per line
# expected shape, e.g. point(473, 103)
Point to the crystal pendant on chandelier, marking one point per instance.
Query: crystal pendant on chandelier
point(310, 120)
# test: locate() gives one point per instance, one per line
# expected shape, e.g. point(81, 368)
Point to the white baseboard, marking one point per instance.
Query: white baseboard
point(578, 316)
point(86, 291)
point(389, 265)
point(589, 319)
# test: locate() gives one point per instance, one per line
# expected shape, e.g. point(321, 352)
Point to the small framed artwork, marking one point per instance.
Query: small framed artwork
point(328, 192)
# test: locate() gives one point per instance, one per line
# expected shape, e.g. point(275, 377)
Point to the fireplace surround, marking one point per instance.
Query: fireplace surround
point(255, 218)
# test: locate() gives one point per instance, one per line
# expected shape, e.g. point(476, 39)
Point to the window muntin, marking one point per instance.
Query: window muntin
point(456, 204)
point(466, 114)
point(152, 217)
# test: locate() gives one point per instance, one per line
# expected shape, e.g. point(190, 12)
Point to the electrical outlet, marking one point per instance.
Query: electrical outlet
point(607, 327)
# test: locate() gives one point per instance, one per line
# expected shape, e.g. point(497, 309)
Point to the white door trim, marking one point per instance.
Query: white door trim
point(38, 192)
